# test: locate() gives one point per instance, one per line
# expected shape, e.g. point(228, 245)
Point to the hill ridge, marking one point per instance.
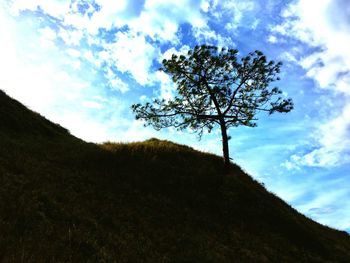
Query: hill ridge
point(16, 118)
point(65, 200)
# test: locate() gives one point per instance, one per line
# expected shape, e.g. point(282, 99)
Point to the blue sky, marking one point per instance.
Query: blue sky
point(83, 63)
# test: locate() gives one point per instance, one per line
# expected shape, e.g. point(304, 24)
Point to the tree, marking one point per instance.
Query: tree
point(215, 87)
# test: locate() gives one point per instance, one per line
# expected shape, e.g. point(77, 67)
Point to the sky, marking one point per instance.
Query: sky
point(83, 63)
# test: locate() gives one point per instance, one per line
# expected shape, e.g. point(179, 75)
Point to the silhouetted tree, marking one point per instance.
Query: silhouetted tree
point(215, 87)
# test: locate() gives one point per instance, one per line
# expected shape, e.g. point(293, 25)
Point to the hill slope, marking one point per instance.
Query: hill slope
point(64, 200)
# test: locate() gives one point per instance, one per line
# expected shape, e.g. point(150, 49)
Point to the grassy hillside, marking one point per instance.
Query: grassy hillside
point(65, 200)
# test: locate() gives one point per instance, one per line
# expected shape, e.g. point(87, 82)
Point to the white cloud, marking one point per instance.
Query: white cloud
point(137, 132)
point(235, 12)
point(230, 14)
point(237, 8)
point(161, 19)
point(115, 82)
point(205, 6)
point(206, 35)
point(167, 86)
point(71, 37)
point(333, 144)
point(291, 57)
point(56, 8)
point(325, 27)
point(92, 104)
point(316, 27)
point(131, 53)
point(83, 126)
point(272, 39)
point(210, 145)
point(73, 53)
point(155, 18)
point(47, 38)
point(109, 14)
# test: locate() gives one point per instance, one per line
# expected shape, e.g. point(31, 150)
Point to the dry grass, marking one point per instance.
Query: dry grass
point(64, 200)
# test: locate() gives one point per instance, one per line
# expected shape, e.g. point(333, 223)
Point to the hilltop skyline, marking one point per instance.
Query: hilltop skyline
point(82, 64)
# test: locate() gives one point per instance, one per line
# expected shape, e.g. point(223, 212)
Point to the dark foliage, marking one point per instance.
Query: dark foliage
point(215, 87)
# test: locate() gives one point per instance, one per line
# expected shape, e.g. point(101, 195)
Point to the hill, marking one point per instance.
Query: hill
point(65, 200)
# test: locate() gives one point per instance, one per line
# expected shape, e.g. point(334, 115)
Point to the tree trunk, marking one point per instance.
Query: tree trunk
point(225, 145)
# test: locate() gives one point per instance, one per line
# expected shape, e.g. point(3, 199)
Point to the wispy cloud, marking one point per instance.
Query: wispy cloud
point(130, 53)
point(329, 66)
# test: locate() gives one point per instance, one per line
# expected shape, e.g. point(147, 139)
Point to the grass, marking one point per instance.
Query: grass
point(65, 200)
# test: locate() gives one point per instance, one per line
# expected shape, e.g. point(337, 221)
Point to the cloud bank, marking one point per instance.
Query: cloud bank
point(326, 30)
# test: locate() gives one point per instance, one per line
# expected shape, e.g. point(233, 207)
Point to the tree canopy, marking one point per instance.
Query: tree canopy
point(216, 87)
